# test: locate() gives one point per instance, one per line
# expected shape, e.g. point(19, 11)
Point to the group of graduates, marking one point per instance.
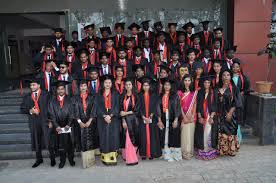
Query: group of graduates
point(157, 94)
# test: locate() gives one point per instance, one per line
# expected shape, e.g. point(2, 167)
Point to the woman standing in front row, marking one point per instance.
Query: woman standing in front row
point(106, 110)
point(206, 125)
point(129, 111)
point(149, 141)
point(187, 98)
point(168, 113)
point(228, 101)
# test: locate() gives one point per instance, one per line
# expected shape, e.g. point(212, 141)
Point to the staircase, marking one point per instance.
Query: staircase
point(15, 139)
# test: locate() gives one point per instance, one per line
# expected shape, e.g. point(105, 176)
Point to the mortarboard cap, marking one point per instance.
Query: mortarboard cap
point(218, 29)
point(134, 25)
point(120, 24)
point(89, 26)
point(106, 77)
point(146, 22)
point(189, 24)
point(58, 30)
point(158, 24)
point(172, 24)
point(107, 29)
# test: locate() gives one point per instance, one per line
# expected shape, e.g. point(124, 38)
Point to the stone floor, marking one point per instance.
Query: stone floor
point(252, 164)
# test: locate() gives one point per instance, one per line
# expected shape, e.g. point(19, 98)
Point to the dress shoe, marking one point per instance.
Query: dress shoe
point(37, 163)
point(53, 162)
point(61, 165)
point(72, 162)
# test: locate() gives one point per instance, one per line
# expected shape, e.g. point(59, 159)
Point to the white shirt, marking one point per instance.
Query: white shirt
point(64, 77)
point(105, 69)
point(161, 48)
point(206, 60)
point(70, 57)
point(58, 41)
point(48, 75)
point(146, 33)
point(147, 53)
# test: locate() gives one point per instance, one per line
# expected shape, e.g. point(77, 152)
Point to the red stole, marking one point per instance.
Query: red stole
point(35, 100)
point(206, 36)
point(84, 66)
point(112, 56)
point(124, 65)
point(44, 60)
point(107, 101)
point(97, 85)
point(173, 38)
point(93, 57)
point(136, 39)
point(73, 58)
point(165, 102)
point(129, 54)
point(61, 101)
point(139, 85)
point(147, 103)
point(208, 66)
point(188, 40)
point(117, 41)
point(46, 81)
point(121, 88)
point(218, 55)
point(138, 60)
point(83, 101)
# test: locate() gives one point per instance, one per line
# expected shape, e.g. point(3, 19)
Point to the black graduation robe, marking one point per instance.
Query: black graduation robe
point(77, 69)
point(38, 123)
point(174, 111)
point(86, 138)
point(155, 149)
point(60, 117)
point(202, 38)
point(225, 102)
point(60, 49)
point(199, 128)
point(39, 60)
point(109, 134)
point(131, 120)
point(151, 35)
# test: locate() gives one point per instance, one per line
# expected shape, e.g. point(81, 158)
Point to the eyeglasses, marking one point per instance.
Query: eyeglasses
point(62, 67)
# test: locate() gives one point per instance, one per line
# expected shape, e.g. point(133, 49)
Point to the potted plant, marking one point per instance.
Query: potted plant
point(264, 87)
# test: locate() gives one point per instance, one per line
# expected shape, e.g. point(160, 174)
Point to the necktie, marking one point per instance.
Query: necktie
point(35, 95)
point(63, 78)
point(104, 71)
point(94, 86)
point(49, 57)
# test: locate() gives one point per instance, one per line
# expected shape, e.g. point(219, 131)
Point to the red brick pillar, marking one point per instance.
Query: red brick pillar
point(252, 19)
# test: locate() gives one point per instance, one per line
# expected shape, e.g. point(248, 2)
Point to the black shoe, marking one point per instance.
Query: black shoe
point(53, 162)
point(72, 162)
point(61, 165)
point(37, 163)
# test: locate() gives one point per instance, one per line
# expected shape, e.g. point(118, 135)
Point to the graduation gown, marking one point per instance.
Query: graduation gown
point(44, 82)
point(230, 98)
point(61, 117)
point(119, 42)
point(142, 36)
point(60, 48)
point(109, 134)
point(86, 138)
point(77, 70)
point(155, 149)
point(199, 128)
point(206, 38)
point(94, 91)
point(39, 60)
point(38, 124)
point(131, 120)
point(174, 111)
point(84, 42)
point(127, 68)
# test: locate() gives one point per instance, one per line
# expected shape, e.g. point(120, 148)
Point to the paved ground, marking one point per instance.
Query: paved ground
point(252, 164)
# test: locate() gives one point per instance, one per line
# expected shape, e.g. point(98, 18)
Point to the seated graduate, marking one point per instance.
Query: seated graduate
point(206, 130)
point(35, 104)
point(129, 107)
point(168, 112)
point(149, 142)
point(86, 129)
point(60, 112)
point(107, 109)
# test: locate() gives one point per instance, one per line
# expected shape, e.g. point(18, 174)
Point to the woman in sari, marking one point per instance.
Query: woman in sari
point(129, 110)
point(228, 101)
point(168, 113)
point(206, 126)
point(188, 110)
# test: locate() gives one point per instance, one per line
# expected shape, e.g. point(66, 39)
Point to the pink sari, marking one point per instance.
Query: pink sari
point(187, 103)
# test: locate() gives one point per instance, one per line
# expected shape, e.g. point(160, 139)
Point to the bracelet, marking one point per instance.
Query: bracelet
point(79, 121)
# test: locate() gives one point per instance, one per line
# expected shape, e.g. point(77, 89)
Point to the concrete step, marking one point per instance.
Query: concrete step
point(9, 109)
point(13, 118)
point(17, 155)
point(14, 128)
point(11, 101)
point(247, 130)
point(15, 138)
point(15, 147)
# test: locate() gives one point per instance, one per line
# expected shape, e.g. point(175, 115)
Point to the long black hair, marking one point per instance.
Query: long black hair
point(191, 87)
